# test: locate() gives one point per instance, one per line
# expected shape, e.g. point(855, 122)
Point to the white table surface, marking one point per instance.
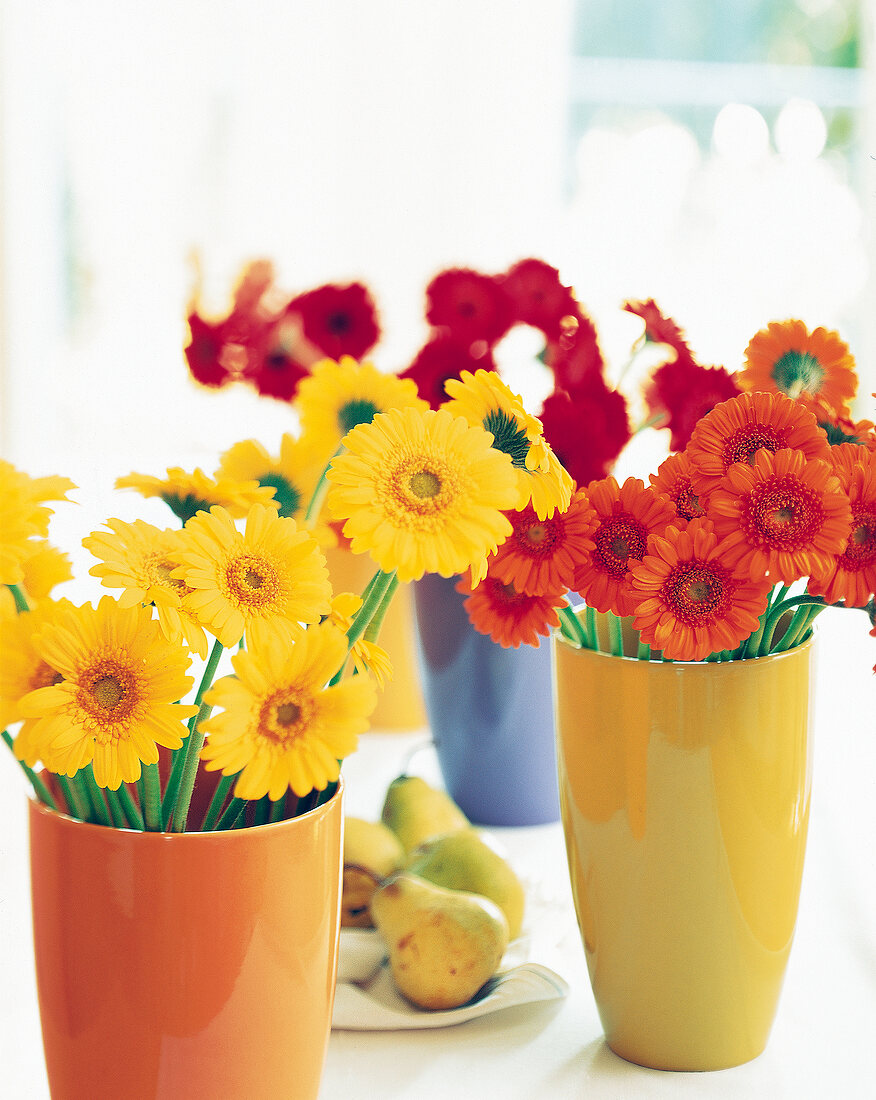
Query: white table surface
point(823, 1044)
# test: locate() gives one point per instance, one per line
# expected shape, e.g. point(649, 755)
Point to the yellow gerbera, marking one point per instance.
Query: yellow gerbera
point(186, 494)
point(422, 492)
point(484, 399)
point(336, 397)
point(25, 516)
point(266, 579)
point(115, 704)
point(367, 656)
point(45, 567)
point(140, 559)
point(280, 726)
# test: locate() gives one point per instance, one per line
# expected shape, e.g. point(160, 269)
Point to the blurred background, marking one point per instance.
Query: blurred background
point(716, 157)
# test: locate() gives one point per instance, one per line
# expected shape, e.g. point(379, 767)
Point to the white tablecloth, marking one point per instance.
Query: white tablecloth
point(824, 1040)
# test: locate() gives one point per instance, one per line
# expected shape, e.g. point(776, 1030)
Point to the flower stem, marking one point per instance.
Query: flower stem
point(383, 582)
point(132, 812)
point(775, 613)
point(181, 784)
point(152, 812)
point(40, 789)
point(318, 496)
point(95, 796)
point(615, 635)
point(229, 819)
point(372, 631)
point(217, 802)
point(644, 651)
point(117, 814)
point(75, 796)
point(572, 629)
point(592, 629)
point(278, 809)
point(18, 595)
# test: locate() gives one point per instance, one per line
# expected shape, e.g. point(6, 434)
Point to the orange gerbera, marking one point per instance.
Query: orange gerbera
point(542, 555)
point(673, 479)
point(511, 618)
point(688, 601)
point(626, 515)
point(783, 515)
point(851, 575)
point(814, 368)
point(736, 429)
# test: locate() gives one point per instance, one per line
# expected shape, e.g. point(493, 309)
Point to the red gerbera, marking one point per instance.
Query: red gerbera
point(688, 601)
point(273, 366)
point(586, 430)
point(783, 515)
point(206, 352)
point(660, 329)
point(626, 516)
point(542, 555)
point(339, 320)
point(681, 393)
point(441, 358)
point(736, 429)
point(539, 298)
point(851, 575)
point(471, 306)
point(574, 356)
point(674, 480)
point(508, 616)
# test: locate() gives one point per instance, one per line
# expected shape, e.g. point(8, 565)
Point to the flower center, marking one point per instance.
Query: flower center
point(288, 714)
point(425, 484)
point(338, 324)
point(508, 436)
point(619, 538)
point(797, 372)
point(783, 513)
point(285, 493)
point(109, 693)
point(861, 550)
point(358, 411)
point(687, 503)
point(417, 491)
point(697, 593)
point(744, 444)
point(252, 581)
point(285, 715)
point(159, 569)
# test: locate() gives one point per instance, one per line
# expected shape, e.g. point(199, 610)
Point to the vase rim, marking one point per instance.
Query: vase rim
point(47, 811)
point(558, 639)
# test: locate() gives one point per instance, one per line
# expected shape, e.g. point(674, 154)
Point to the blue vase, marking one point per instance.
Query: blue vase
point(490, 711)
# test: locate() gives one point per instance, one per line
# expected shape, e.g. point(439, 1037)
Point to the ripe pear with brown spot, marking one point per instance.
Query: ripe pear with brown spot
point(371, 853)
point(417, 811)
point(443, 945)
point(471, 861)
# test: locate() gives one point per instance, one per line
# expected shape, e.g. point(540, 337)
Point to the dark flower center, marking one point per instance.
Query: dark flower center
point(508, 436)
point(796, 372)
point(285, 493)
point(358, 411)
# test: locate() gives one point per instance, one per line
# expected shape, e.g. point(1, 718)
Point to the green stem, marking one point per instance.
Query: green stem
point(181, 784)
point(18, 595)
point(152, 812)
point(383, 582)
point(228, 820)
point(372, 631)
point(798, 628)
point(572, 629)
point(278, 810)
point(217, 802)
point(74, 795)
point(40, 789)
point(131, 810)
point(95, 796)
point(615, 635)
point(775, 614)
point(592, 628)
point(644, 651)
point(262, 810)
point(117, 814)
point(319, 493)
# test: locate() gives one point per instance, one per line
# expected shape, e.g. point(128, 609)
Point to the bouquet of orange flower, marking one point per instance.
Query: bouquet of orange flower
point(96, 691)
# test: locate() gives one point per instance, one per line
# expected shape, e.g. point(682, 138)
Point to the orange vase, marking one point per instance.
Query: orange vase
point(196, 965)
point(684, 790)
point(400, 703)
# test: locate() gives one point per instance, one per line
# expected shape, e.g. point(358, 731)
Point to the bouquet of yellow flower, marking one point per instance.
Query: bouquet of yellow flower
point(98, 691)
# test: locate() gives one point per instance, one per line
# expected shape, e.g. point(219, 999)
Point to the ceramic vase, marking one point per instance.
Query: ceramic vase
point(685, 802)
point(197, 965)
point(490, 713)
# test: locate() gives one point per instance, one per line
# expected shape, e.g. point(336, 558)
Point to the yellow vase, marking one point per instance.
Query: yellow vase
point(400, 703)
point(684, 791)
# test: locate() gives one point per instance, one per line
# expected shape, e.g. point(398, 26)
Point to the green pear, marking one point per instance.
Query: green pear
point(371, 853)
point(416, 811)
point(443, 944)
point(470, 861)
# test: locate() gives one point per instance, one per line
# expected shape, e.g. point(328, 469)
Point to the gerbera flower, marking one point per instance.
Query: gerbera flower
point(511, 618)
point(851, 575)
point(687, 601)
point(673, 478)
point(339, 320)
point(626, 515)
point(44, 567)
point(422, 491)
point(338, 396)
point(660, 329)
point(483, 399)
point(815, 367)
point(140, 559)
point(471, 306)
point(367, 656)
point(681, 393)
point(25, 516)
point(186, 494)
point(22, 668)
point(293, 474)
point(115, 704)
point(538, 297)
point(259, 582)
point(736, 429)
point(783, 515)
point(542, 555)
point(841, 429)
point(280, 726)
point(588, 431)
point(441, 358)
point(207, 351)
point(574, 356)
point(277, 360)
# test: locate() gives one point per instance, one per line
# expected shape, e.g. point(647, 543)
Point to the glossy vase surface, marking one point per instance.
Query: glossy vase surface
point(489, 711)
point(400, 702)
point(196, 965)
point(685, 802)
